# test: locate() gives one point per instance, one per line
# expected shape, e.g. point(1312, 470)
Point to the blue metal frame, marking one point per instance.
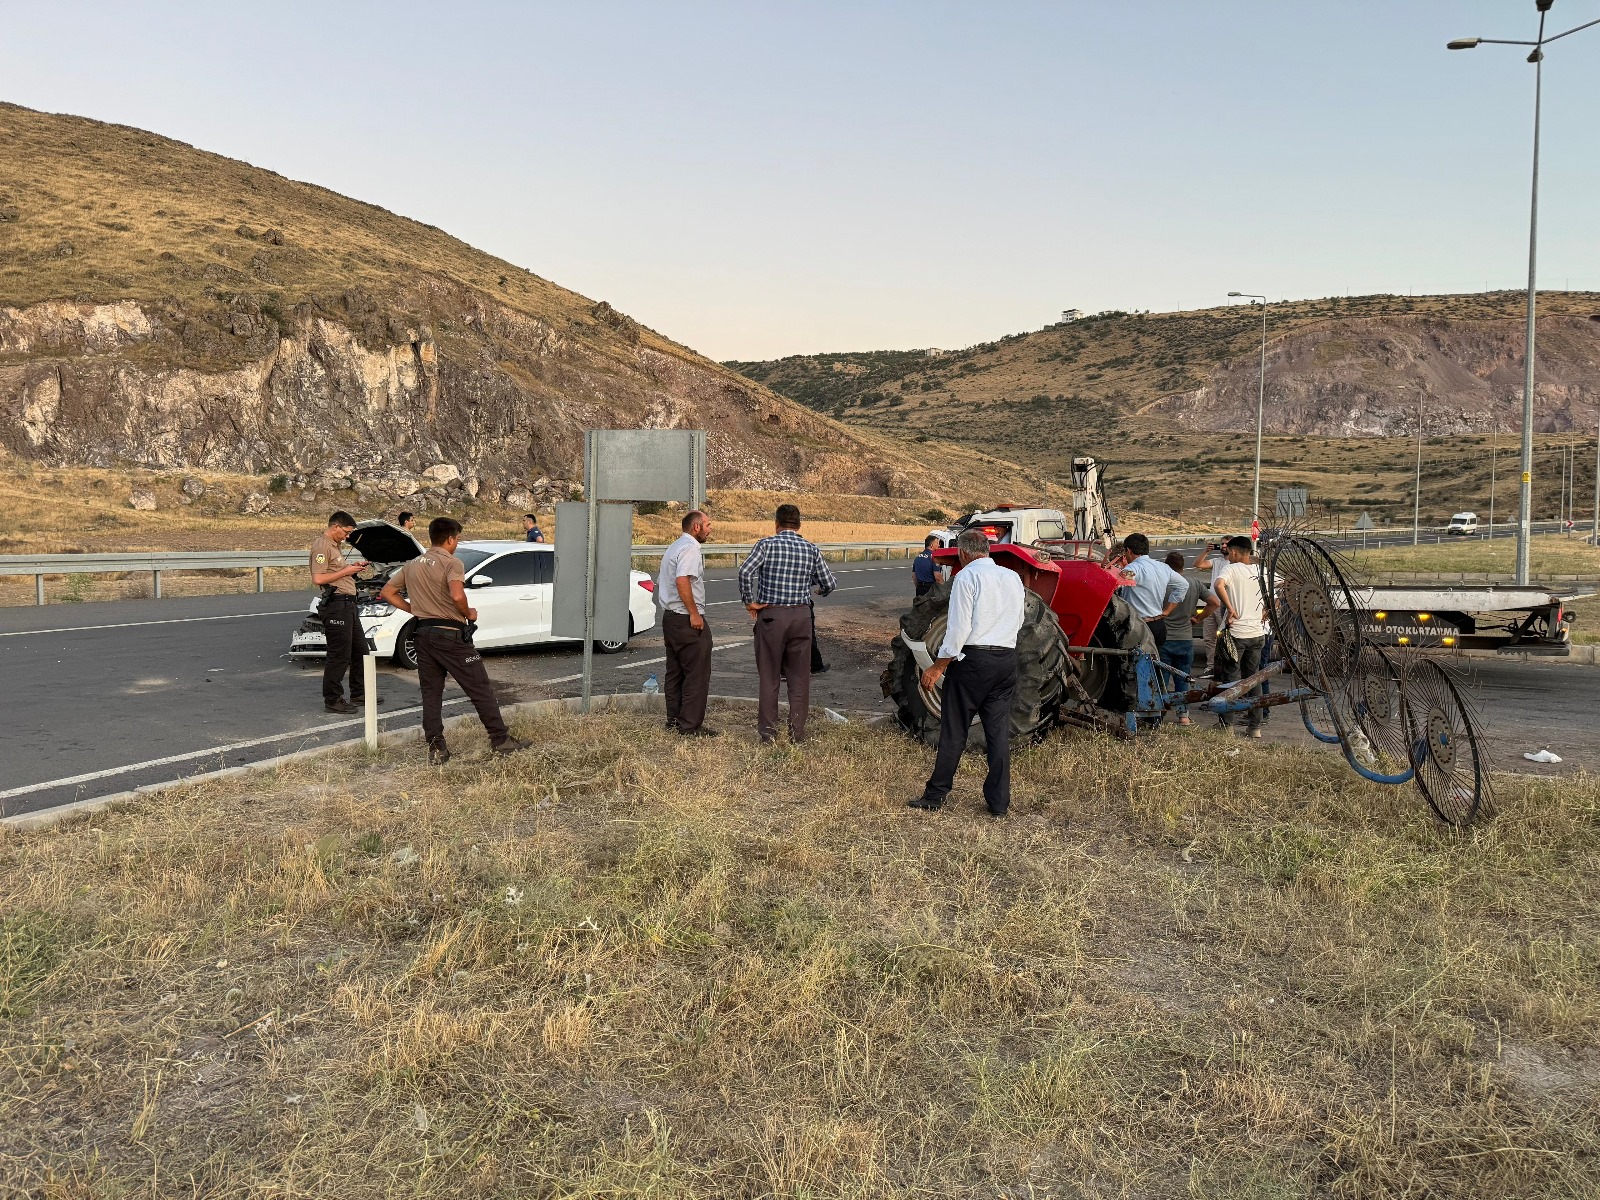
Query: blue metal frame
point(1154, 700)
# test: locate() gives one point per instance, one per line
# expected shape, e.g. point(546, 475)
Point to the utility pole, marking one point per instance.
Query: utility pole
point(1416, 493)
point(1597, 487)
point(1494, 454)
point(1536, 58)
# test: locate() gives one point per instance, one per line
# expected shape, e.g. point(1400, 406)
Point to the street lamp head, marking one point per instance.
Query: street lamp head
point(1543, 5)
point(1463, 44)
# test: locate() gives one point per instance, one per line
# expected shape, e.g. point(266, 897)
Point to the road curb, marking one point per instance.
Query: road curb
point(78, 809)
point(1582, 656)
point(613, 703)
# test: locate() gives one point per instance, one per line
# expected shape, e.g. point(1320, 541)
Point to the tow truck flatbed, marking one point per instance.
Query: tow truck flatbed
point(1511, 619)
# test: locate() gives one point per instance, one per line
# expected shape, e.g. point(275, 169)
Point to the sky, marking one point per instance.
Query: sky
point(762, 179)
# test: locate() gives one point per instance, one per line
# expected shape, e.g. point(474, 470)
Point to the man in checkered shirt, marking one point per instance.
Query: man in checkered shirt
point(775, 584)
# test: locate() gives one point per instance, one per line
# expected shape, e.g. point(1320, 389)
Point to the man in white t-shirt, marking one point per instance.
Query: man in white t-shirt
point(681, 592)
point(1243, 618)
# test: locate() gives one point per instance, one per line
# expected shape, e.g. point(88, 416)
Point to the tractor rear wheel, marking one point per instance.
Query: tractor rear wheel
point(1042, 671)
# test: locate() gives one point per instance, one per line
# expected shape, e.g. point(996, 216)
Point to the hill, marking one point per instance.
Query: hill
point(1163, 397)
point(161, 306)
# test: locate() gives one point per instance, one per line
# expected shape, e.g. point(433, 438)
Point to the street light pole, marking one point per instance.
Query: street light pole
point(1261, 403)
point(1416, 491)
point(1596, 538)
point(1536, 57)
point(1494, 455)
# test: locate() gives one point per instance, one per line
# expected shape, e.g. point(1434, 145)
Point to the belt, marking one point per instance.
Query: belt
point(1002, 649)
point(439, 623)
point(339, 598)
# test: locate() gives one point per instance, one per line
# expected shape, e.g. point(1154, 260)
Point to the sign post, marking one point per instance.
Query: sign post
point(1364, 524)
point(594, 539)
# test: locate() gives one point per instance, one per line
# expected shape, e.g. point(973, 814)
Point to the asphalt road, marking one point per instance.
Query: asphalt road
point(107, 697)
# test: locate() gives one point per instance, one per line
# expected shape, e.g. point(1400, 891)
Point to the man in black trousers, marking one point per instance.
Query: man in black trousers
point(341, 622)
point(433, 589)
point(978, 662)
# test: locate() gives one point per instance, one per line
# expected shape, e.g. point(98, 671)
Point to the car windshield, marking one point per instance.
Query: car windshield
point(470, 559)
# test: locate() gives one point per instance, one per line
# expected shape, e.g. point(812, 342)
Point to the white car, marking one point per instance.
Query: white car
point(511, 584)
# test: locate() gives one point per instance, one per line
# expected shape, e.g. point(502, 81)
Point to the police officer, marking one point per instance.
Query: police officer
point(435, 593)
point(341, 624)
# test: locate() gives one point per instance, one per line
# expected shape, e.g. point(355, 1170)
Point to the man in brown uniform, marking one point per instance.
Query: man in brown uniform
point(435, 593)
point(341, 624)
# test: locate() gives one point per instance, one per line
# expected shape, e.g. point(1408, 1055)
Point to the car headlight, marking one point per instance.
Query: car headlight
point(375, 609)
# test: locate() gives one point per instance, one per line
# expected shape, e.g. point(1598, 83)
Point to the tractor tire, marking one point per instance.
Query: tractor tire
point(1042, 671)
point(1111, 682)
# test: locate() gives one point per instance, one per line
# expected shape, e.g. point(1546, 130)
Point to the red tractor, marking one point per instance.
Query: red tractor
point(1081, 648)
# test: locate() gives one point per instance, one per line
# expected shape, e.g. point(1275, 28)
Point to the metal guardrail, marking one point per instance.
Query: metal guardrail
point(41, 565)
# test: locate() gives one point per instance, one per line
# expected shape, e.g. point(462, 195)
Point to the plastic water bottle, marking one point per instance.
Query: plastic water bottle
point(651, 685)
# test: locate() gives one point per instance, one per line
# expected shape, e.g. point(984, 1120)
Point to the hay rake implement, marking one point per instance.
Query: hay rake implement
point(1087, 660)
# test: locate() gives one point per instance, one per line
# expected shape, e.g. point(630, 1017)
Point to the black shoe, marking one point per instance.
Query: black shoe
point(342, 707)
point(510, 746)
point(996, 815)
point(670, 726)
point(925, 804)
point(822, 670)
point(703, 731)
point(361, 701)
point(438, 755)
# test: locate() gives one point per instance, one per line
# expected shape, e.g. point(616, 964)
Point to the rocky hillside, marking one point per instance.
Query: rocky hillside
point(1341, 367)
point(161, 306)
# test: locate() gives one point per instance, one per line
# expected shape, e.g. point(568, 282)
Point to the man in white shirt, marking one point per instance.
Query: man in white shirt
point(681, 591)
point(978, 662)
point(1243, 618)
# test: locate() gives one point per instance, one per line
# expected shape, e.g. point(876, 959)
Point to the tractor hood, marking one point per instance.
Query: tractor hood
point(382, 543)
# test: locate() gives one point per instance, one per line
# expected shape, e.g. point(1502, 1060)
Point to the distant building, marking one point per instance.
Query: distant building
point(933, 352)
point(1069, 315)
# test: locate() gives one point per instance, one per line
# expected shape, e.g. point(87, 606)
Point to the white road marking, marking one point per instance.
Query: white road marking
point(208, 753)
point(289, 612)
point(647, 662)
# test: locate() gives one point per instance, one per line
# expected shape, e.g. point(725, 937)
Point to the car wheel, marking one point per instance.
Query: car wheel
point(405, 648)
point(614, 647)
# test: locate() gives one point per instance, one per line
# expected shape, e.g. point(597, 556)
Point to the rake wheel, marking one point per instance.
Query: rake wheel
point(1450, 770)
point(1313, 615)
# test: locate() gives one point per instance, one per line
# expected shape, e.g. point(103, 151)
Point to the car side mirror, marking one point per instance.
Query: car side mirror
point(479, 581)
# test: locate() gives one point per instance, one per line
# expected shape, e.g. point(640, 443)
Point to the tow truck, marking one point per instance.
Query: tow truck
point(1510, 620)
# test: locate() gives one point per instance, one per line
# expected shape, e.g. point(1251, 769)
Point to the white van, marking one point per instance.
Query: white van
point(1462, 524)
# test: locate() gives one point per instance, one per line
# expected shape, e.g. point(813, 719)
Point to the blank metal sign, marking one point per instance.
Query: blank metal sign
point(613, 568)
point(651, 464)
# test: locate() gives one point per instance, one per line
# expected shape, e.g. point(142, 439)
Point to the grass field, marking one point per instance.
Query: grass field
point(1548, 554)
point(626, 966)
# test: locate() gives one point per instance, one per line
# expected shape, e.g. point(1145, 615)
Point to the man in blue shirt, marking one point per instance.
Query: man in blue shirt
point(1155, 590)
point(775, 585)
point(530, 523)
point(923, 569)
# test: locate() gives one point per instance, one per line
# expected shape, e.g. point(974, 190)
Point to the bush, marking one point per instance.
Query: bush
point(278, 484)
point(651, 508)
point(935, 516)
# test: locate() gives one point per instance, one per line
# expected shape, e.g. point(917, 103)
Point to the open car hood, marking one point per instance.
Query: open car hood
point(381, 542)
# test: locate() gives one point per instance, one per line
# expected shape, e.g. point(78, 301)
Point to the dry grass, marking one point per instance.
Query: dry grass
point(1550, 554)
point(625, 966)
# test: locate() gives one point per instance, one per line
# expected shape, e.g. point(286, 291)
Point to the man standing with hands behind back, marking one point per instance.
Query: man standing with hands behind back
point(681, 588)
point(341, 624)
point(775, 584)
point(980, 654)
point(435, 593)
